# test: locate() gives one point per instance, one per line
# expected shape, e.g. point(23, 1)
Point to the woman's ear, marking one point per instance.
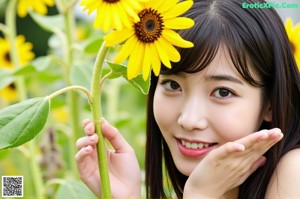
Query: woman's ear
point(268, 113)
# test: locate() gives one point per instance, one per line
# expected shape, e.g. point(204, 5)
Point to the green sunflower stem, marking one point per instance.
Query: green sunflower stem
point(10, 20)
point(97, 115)
point(73, 99)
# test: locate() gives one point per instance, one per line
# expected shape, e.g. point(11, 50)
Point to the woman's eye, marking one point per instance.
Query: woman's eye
point(171, 85)
point(222, 93)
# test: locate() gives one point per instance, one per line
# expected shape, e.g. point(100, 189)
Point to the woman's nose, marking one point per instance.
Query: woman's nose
point(193, 116)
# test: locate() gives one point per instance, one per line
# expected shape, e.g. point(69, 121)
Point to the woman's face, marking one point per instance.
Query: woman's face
point(201, 111)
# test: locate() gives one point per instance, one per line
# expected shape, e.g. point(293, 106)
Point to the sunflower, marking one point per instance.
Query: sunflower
point(112, 13)
point(9, 93)
point(24, 52)
point(150, 41)
point(61, 114)
point(39, 6)
point(293, 33)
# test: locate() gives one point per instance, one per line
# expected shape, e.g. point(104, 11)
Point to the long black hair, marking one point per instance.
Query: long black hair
point(255, 38)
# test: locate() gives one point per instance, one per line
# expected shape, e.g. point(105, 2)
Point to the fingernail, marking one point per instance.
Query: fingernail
point(263, 135)
point(84, 123)
point(276, 133)
point(89, 128)
point(93, 138)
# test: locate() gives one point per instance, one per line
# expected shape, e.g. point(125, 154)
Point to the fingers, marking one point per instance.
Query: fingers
point(249, 148)
point(110, 133)
point(115, 138)
point(89, 127)
point(271, 136)
point(87, 141)
point(83, 152)
point(258, 143)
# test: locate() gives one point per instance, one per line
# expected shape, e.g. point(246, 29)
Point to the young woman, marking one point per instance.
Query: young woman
point(224, 121)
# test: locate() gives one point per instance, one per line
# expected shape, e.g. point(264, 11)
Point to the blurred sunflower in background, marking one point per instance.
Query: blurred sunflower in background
point(39, 6)
point(9, 93)
point(60, 114)
point(293, 33)
point(150, 41)
point(24, 52)
point(112, 13)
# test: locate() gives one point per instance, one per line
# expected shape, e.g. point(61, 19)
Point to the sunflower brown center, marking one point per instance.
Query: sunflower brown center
point(111, 1)
point(12, 86)
point(7, 57)
point(150, 26)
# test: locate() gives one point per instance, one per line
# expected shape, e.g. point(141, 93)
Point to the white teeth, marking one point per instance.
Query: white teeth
point(200, 145)
point(194, 145)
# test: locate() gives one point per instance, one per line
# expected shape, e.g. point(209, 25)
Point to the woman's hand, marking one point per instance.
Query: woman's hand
point(228, 166)
point(124, 170)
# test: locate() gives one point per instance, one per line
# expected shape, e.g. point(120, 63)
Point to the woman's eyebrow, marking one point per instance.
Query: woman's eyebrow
point(224, 78)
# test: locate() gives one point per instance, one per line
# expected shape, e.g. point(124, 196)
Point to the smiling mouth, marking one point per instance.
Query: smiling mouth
point(196, 145)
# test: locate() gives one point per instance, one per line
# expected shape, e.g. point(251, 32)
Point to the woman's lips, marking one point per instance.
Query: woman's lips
point(194, 148)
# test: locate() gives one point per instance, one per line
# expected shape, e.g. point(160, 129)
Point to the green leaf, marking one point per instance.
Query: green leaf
point(93, 45)
point(42, 63)
point(28, 69)
point(49, 23)
point(5, 78)
point(21, 122)
point(72, 189)
point(137, 82)
point(39, 64)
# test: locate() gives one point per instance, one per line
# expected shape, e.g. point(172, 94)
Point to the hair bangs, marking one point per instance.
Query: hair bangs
point(214, 29)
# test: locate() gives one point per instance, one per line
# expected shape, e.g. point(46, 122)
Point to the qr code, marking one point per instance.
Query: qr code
point(12, 186)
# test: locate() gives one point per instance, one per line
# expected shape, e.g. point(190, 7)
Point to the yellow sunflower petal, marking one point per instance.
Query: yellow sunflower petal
point(116, 37)
point(90, 5)
point(107, 12)
point(98, 22)
point(135, 61)
point(288, 23)
point(175, 39)
point(163, 55)
point(172, 52)
point(167, 5)
point(116, 19)
point(22, 8)
point(134, 4)
point(125, 51)
point(153, 4)
point(156, 64)
point(178, 9)
point(131, 11)
point(297, 29)
point(179, 23)
point(49, 2)
point(40, 8)
point(124, 20)
point(147, 62)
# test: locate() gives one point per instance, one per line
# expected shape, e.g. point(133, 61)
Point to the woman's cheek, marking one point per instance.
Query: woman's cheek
point(235, 124)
